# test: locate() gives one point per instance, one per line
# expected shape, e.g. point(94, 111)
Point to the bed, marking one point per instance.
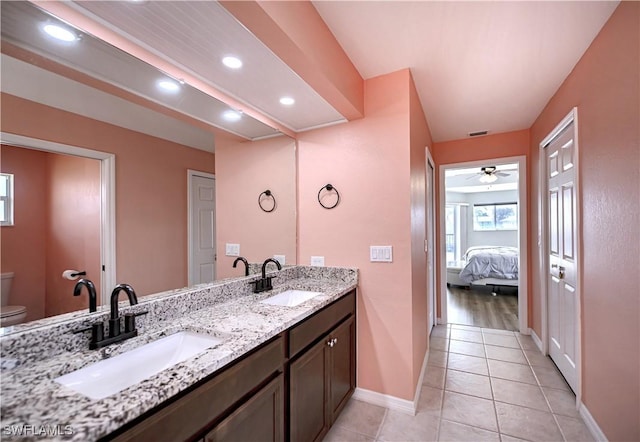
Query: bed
point(490, 265)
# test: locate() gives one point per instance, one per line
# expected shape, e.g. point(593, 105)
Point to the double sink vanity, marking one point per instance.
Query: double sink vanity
point(212, 362)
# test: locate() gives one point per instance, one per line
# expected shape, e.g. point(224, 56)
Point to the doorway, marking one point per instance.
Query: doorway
point(201, 227)
point(430, 244)
point(490, 222)
point(106, 205)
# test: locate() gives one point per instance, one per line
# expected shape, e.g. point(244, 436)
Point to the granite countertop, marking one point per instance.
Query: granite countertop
point(32, 402)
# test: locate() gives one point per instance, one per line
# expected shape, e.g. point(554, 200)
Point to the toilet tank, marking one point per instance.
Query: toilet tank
point(7, 279)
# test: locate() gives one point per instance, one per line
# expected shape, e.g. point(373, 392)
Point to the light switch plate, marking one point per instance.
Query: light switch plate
point(381, 253)
point(317, 261)
point(232, 249)
point(280, 259)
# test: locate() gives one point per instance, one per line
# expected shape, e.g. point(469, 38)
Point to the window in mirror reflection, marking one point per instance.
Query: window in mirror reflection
point(6, 199)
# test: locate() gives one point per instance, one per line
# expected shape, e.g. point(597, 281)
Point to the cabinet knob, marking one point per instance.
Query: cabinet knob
point(335, 341)
point(330, 343)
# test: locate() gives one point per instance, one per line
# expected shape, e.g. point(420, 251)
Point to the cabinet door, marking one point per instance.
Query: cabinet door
point(261, 418)
point(308, 380)
point(342, 372)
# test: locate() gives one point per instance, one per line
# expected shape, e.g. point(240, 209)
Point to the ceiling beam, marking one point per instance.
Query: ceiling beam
point(295, 33)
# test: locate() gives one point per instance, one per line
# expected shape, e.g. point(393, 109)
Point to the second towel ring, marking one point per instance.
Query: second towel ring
point(267, 193)
point(329, 188)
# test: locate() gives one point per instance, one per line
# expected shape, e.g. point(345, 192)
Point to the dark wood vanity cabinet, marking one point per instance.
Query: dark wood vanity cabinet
point(221, 404)
point(322, 378)
point(291, 388)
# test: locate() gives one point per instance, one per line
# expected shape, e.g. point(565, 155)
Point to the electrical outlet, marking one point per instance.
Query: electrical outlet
point(381, 253)
point(232, 249)
point(279, 258)
point(317, 261)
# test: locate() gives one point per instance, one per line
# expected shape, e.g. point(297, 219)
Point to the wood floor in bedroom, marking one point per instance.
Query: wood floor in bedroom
point(479, 308)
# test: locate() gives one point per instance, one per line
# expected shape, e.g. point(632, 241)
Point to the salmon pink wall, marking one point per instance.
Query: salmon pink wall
point(605, 87)
point(368, 161)
point(492, 146)
point(24, 243)
point(151, 188)
point(73, 229)
point(245, 170)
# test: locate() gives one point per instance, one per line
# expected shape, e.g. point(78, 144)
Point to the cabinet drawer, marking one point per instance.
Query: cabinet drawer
point(187, 416)
point(301, 336)
point(260, 419)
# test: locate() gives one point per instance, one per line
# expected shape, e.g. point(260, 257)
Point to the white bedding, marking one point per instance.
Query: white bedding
point(500, 263)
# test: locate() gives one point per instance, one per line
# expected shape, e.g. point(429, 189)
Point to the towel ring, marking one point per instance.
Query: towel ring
point(329, 188)
point(267, 193)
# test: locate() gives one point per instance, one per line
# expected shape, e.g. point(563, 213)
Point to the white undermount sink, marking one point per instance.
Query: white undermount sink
point(291, 298)
point(112, 375)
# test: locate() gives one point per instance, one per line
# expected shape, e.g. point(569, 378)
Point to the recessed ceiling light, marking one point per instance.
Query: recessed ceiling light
point(60, 33)
point(168, 85)
point(231, 115)
point(232, 62)
point(287, 101)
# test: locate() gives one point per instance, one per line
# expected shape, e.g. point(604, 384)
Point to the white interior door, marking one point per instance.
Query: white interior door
point(430, 247)
point(202, 265)
point(563, 302)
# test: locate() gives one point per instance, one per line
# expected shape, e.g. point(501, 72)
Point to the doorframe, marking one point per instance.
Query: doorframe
point(543, 240)
point(190, 174)
point(107, 200)
point(523, 229)
point(432, 240)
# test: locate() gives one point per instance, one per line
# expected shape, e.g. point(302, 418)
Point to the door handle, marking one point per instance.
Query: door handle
point(554, 266)
point(561, 272)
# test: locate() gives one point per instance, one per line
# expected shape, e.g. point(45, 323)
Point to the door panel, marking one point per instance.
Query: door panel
point(561, 287)
point(308, 378)
point(203, 243)
point(342, 373)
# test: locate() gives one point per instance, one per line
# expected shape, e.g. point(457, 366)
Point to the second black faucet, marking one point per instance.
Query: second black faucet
point(263, 284)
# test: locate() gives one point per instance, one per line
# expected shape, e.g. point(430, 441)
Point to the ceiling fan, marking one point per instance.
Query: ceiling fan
point(489, 174)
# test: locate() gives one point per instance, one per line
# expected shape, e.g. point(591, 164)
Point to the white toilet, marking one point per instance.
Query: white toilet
point(10, 314)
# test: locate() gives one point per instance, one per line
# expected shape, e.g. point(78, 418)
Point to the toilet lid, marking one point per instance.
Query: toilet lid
point(12, 310)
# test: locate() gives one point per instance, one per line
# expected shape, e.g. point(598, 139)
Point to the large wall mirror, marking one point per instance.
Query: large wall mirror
point(170, 152)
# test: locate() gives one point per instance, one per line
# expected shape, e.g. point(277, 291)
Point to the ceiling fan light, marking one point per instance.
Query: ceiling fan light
point(488, 178)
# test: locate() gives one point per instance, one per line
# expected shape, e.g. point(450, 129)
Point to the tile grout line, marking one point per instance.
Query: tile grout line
point(444, 384)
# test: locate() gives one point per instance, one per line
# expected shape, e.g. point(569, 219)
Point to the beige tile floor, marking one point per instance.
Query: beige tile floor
point(480, 385)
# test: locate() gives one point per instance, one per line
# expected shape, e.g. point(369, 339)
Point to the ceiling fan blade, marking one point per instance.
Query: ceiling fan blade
point(475, 175)
point(501, 173)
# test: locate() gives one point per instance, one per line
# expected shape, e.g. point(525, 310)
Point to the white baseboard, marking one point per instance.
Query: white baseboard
point(385, 400)
point(536, 339)
point(591, 424)
point(392, 402)
point(416, 397)
point(439, 321)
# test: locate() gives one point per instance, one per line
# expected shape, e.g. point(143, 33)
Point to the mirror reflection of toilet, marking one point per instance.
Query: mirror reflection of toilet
point(10, 314)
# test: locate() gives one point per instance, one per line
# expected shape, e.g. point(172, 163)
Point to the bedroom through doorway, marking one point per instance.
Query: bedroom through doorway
point(482, 237)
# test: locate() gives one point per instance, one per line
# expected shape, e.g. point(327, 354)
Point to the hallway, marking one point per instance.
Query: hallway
point(480, 385)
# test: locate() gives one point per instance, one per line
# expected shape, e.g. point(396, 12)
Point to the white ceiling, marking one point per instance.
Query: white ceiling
point(477, 65)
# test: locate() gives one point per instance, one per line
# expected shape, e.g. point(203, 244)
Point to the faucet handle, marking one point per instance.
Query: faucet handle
point(97, 332)
point(130, 321)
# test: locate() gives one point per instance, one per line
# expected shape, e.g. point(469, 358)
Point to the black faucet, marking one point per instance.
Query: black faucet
point(263, 284)
point(114, 320)
point(92, 292)
point(246, 265)
point(115, 334)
